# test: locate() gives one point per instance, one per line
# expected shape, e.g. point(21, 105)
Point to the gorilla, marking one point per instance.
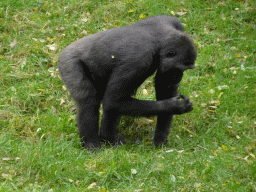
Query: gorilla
point(107, 67)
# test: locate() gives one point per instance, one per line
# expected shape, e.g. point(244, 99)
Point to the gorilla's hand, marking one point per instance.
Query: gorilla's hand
point(181, 106)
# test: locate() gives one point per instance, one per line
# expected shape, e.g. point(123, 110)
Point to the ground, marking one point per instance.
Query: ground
point(211, 148)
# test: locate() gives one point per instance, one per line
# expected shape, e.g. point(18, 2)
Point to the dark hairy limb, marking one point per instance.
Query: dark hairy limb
point(164, 120)
point(88, 122)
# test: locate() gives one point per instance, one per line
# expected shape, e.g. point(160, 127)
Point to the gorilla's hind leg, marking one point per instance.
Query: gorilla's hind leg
point(109, 129)
point(79, 82)
point(88, 122)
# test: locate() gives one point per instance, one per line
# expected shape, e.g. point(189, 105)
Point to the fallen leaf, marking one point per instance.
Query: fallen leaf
point(181, 13)
point(92, 185)
point(197, 185)
point(53, 71)
point(142, 16)
point(52, 47)
point(77, 182)
point(145, 92)
point(70, 180)
point(13, 43)
point(173, 178)
point(133, 171)
point(211, 91)
point(224, 148)
point(180, 151)
point(62, 101)
point(50, 39)
point(4, 175)
point(72, 117)
point(170, 150)
point(85, 19)
point(6, 159)
point(252, 155)
point(84, 32)
point(223, 87)
point(150, 121)
point(245, 158)
point(220, 95)
point(41, 139)
point(103, 190)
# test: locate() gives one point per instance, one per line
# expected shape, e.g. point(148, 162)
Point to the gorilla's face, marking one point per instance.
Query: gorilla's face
point(178, 55)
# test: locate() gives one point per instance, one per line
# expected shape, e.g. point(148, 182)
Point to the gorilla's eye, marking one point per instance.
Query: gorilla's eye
point(171, 54)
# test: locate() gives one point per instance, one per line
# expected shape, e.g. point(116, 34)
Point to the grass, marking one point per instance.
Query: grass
point(213, 148)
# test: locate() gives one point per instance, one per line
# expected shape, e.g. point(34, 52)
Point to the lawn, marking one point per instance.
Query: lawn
point(212, 148)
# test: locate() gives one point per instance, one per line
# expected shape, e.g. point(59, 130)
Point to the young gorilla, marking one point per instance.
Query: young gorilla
point(109, 66)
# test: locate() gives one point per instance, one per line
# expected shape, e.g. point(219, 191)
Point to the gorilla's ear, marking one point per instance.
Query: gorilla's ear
point(177, 25)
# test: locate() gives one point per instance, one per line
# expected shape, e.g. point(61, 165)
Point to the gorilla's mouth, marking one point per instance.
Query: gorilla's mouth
point(174, 76)
point(177, 75)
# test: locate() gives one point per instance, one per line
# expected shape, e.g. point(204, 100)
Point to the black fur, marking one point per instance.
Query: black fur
point(109, 66)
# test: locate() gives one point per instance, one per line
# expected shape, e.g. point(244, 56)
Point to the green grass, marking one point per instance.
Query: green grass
point(212, 148)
